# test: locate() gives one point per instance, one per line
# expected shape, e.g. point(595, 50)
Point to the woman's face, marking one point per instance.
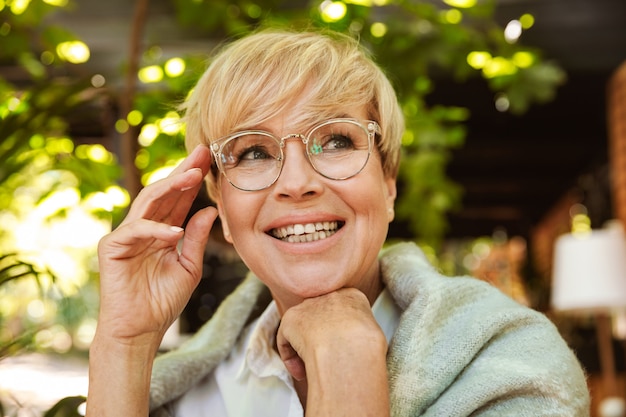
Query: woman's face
point(362, 206)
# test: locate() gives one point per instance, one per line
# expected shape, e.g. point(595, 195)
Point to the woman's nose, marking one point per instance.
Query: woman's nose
point(297, 179)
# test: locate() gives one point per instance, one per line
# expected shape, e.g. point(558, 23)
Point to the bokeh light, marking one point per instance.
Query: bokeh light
point(170, 124)
point(502, 102)
point(527, 20)
point(499, 66)
point(452, 16)
point(149, 133)
point(378, 29)
point(19, 6)
point(75, 52)
point(333, 11)
point(523, 59)
point(175, 67)
point(57, 3)
point(121, 126)
point(98, 80)
point(134, 117)
point(150, 74)
point(478, 59)
point(463, 4)
point(513, 31)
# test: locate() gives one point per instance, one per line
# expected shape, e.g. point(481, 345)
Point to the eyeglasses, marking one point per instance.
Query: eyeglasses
point(337, 149)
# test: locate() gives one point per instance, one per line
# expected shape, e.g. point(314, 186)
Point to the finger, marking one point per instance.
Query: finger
point(195, 240)
point(167, 199)
point(130, 239)
point(177, 211)
point(293, 362)
point(186, 178)
point(200, 157)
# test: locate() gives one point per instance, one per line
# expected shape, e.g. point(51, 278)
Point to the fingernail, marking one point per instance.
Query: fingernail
point(176, 229)
point(187, 188)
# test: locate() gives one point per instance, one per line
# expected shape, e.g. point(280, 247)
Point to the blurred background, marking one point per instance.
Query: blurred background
point(516, 141)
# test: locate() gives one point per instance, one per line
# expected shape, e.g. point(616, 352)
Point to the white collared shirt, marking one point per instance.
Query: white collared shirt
point(253, 381)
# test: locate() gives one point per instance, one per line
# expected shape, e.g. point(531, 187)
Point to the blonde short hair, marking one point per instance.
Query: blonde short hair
point(261, 75)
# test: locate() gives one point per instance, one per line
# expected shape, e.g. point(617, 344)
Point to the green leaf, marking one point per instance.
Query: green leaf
point(66, 407)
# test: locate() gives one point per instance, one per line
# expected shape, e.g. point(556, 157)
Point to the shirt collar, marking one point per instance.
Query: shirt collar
point(260, 357)
point(387, 314)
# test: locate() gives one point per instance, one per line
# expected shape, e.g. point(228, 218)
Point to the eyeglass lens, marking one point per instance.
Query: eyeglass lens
point(337, 150)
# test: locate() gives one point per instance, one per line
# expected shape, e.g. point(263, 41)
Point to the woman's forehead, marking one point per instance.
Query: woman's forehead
point(302, 104)
point(301, 117)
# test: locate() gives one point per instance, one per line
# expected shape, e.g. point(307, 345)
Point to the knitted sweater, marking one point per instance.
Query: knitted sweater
point(461, 348)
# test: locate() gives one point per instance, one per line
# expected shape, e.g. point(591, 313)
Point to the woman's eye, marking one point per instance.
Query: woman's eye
point(253, 154)
point(338, 142)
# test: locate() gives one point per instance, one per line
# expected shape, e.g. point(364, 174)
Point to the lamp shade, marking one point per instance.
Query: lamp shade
point(589, 272)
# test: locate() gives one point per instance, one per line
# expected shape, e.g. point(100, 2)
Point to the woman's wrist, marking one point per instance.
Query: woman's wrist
point(120, 372)
point(348, 382)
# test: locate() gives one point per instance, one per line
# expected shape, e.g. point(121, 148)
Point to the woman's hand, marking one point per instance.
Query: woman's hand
point(145, 281)
point(333, 344)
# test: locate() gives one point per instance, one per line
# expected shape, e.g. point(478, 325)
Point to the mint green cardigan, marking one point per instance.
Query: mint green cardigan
point(462, 348)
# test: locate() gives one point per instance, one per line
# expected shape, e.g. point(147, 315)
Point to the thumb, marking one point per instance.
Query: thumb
point(195, 240)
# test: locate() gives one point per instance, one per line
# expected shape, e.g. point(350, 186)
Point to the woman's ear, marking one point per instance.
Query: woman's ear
point(390, 198)
point(224, 220)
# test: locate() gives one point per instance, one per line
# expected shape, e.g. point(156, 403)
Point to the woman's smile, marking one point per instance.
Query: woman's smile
point(307, 232)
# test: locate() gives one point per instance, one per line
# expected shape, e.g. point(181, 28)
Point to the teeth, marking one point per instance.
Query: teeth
point(309, 232)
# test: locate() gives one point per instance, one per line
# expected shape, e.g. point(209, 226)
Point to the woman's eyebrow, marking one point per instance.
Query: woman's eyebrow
point(304, 124)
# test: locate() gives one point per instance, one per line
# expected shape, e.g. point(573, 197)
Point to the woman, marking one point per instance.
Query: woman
point(298, 136)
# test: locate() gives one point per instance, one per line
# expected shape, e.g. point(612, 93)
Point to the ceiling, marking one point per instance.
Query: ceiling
point(512, 169)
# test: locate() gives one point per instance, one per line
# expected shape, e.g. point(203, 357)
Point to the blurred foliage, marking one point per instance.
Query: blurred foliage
point(39, 162)
point(44, 89)
point(66, 407)
point(12, 268)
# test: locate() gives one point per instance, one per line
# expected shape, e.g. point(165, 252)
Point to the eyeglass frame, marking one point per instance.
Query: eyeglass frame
point(371, 127)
